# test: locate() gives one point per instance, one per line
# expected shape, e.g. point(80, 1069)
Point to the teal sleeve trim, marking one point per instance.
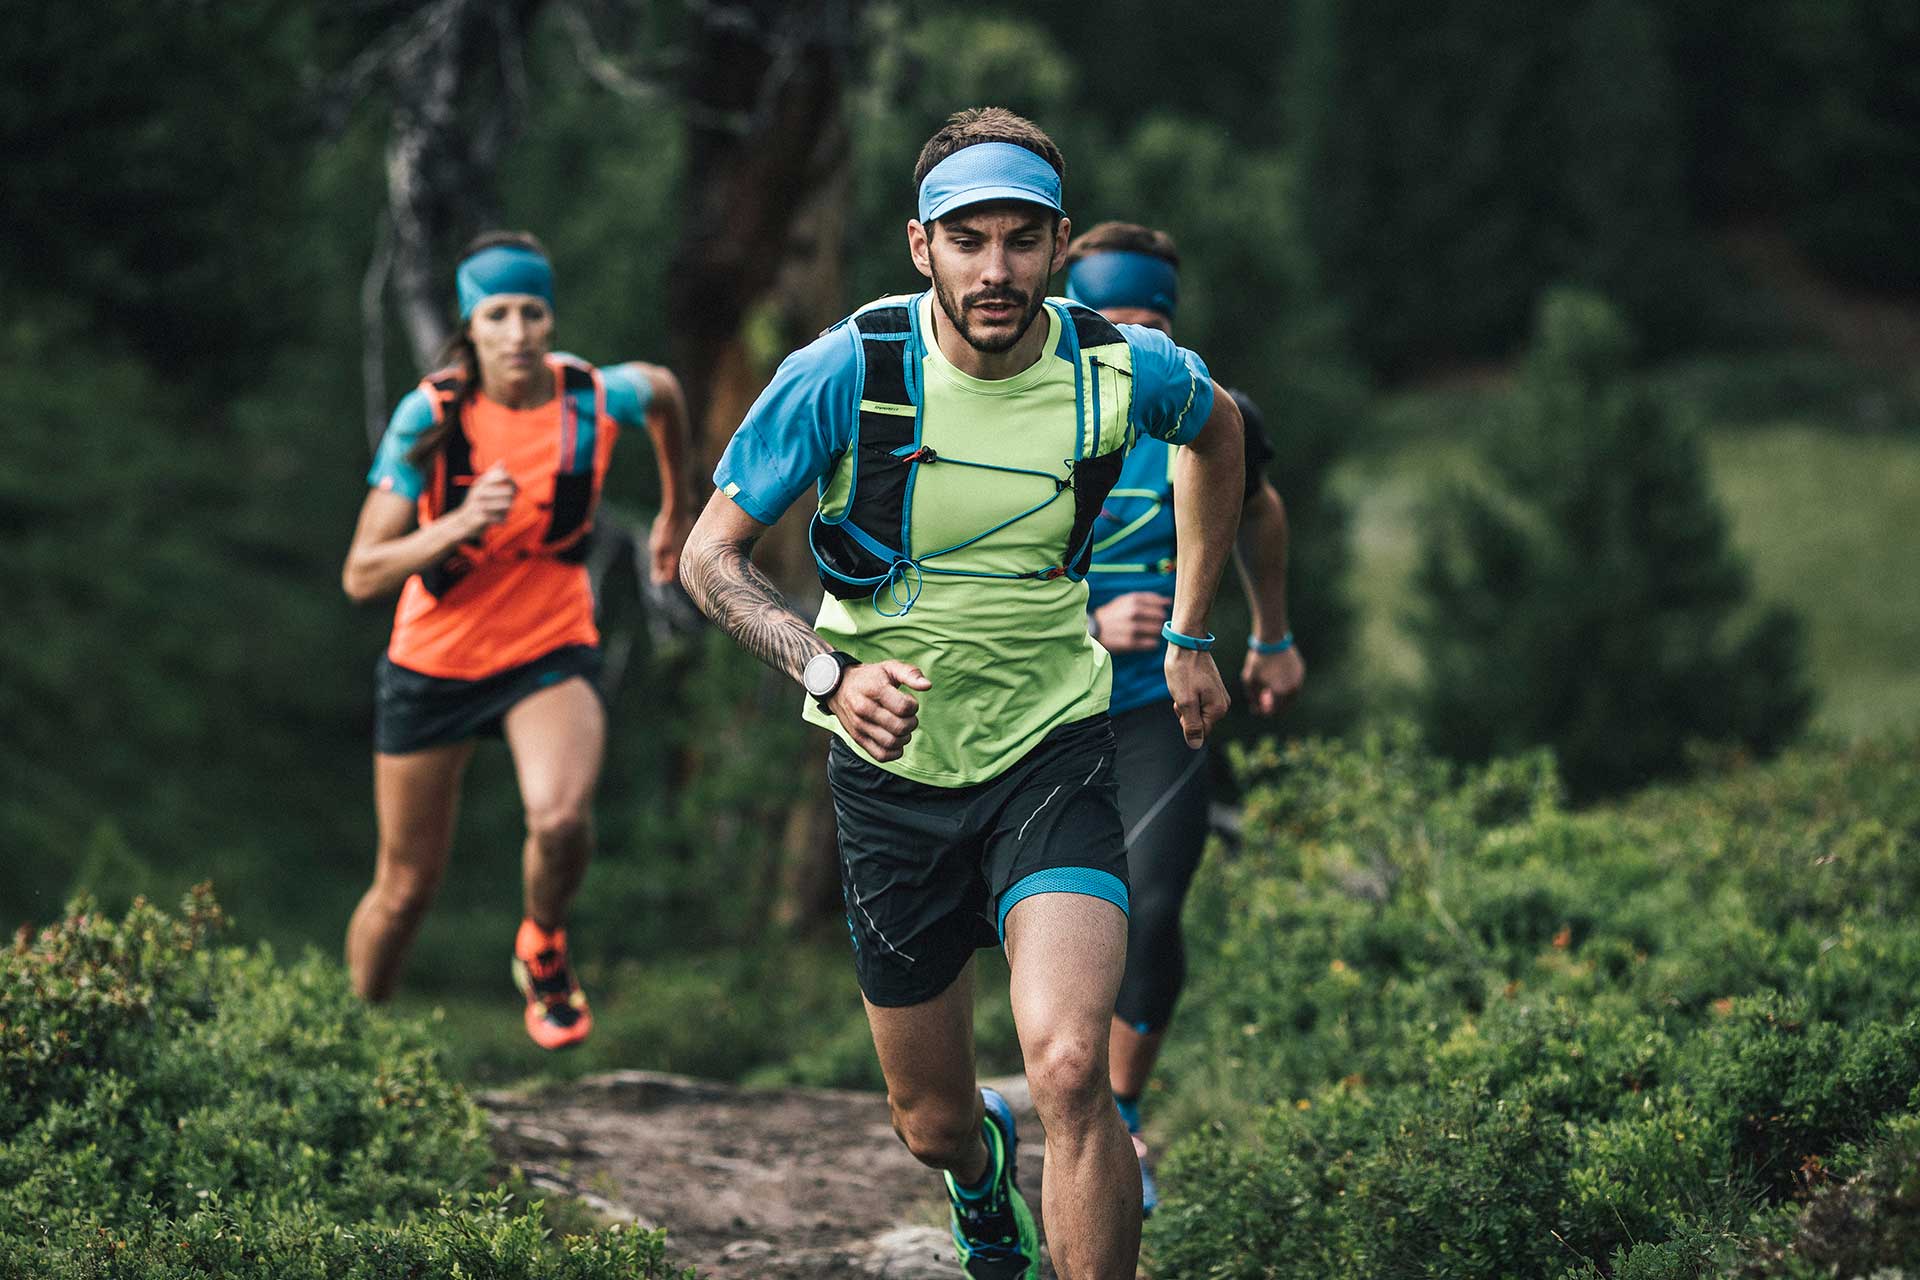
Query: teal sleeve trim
point(629, 394)
point(391, 471)
point(797, 429)
point(1085, 880)
point(1172, 390)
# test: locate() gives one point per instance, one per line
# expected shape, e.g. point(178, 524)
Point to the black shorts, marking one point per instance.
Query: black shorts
point(929, 873)
point(412, 712)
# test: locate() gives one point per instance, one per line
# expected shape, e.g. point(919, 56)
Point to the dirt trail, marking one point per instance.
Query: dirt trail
point(751, 1184)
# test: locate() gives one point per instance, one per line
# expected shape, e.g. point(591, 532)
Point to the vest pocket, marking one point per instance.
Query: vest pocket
point(1111, 403)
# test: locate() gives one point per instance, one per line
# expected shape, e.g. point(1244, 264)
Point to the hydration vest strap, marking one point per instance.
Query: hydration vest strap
point(575, 481)
point(452, 477)
point(856, 551)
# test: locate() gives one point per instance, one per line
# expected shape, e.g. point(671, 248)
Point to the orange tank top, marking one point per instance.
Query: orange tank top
point(518, 595)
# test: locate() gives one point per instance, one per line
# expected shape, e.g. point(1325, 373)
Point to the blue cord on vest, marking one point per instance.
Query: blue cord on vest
point(902, 571)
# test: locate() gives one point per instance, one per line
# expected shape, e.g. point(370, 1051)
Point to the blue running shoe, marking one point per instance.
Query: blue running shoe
point(994, 1230)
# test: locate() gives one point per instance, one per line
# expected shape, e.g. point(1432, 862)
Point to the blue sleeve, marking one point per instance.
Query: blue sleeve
point(629, 392)
point(1172, 391)
point(391, 470)
point(796, 430)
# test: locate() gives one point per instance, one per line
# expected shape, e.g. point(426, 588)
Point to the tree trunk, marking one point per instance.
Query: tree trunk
point(455, 74)
point(762, 231)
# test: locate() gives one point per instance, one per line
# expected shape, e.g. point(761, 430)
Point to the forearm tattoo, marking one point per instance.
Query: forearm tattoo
point(748, 607)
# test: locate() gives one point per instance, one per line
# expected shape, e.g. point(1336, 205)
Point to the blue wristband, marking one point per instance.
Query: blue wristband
point(1198, 643)
point(1265, 650)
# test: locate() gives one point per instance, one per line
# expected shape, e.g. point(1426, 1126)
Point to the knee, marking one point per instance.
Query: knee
point(561, 825)
point(1067, 1072)
point(406, 895)
point(937, 1136)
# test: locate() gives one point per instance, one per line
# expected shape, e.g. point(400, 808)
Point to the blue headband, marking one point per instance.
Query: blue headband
point(988, 171)
point(1119, 278)
point(503, 268)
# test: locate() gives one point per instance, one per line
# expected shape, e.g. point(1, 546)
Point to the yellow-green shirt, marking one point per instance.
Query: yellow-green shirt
point(1009, 657)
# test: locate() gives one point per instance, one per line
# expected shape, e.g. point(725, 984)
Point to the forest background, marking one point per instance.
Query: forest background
point(1587, 336)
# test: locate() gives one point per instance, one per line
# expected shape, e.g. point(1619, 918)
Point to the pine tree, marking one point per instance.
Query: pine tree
point(1586, 597)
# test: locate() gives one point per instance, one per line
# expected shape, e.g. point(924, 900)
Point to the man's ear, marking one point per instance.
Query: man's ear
point(1062, 237)
point(920, 246)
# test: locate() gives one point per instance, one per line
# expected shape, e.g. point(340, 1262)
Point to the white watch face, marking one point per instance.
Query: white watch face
point(820, 674)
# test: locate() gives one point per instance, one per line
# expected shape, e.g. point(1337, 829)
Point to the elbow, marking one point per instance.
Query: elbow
point(355, 584)
point(691, 557)
point(666, 388)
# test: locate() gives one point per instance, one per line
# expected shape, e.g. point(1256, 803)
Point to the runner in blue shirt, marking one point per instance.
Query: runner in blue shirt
point(1130, 274)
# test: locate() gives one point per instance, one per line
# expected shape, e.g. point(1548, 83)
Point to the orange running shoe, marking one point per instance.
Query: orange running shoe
point(557, 1013)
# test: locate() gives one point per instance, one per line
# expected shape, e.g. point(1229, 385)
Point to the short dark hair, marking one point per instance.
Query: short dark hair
point(1123, 237)
point(975, 125)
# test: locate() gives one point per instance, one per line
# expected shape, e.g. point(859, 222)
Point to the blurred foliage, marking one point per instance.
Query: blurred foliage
point(1806, 111)
point(1586, 597)
point(1485, 1035)
point(154, 154)
point(175, 1108)
point(1455, 166)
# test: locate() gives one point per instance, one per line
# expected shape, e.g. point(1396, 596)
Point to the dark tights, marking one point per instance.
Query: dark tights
point(1163, 809)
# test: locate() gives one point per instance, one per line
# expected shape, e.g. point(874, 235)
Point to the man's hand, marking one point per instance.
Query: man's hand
point(664, 542)
point(488, 499)
point(1273, 680)
point(1199, 696)
point(875, 710)
point(1131, 623)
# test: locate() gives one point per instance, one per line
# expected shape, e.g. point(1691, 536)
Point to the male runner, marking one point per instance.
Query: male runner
point(961, 442)
point(1130, 274)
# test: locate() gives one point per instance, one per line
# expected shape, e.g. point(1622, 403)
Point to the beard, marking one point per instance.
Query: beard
point(956, 312)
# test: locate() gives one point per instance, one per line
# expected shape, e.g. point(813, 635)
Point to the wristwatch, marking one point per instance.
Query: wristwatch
point(822, 674)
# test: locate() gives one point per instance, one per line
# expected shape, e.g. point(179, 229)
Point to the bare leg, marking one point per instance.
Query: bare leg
point(1132, 1055)
point(1067, 951)
point(415, 798)
point(558, 738)
point(926, 1054)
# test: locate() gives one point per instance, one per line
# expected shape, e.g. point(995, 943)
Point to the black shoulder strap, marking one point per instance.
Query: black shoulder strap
point(574, 482)
point(452, 477)
point(884, 427)
point(1091, 329)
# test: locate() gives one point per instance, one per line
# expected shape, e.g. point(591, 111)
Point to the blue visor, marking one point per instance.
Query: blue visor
point(988, 171)
point(1124, 279)
point(504, 268)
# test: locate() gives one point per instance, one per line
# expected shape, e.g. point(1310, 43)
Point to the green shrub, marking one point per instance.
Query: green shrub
point(1588, 599)
point(1486, 1036)
point(1866, 1225)
point(173, 1108)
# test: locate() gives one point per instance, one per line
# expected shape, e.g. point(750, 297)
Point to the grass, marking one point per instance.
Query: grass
point(1829, 524)
point(1824, 512)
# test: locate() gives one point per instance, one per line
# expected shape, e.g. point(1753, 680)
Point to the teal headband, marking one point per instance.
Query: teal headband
point(1122, 278)
point(988, 171)
point(503, 268)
